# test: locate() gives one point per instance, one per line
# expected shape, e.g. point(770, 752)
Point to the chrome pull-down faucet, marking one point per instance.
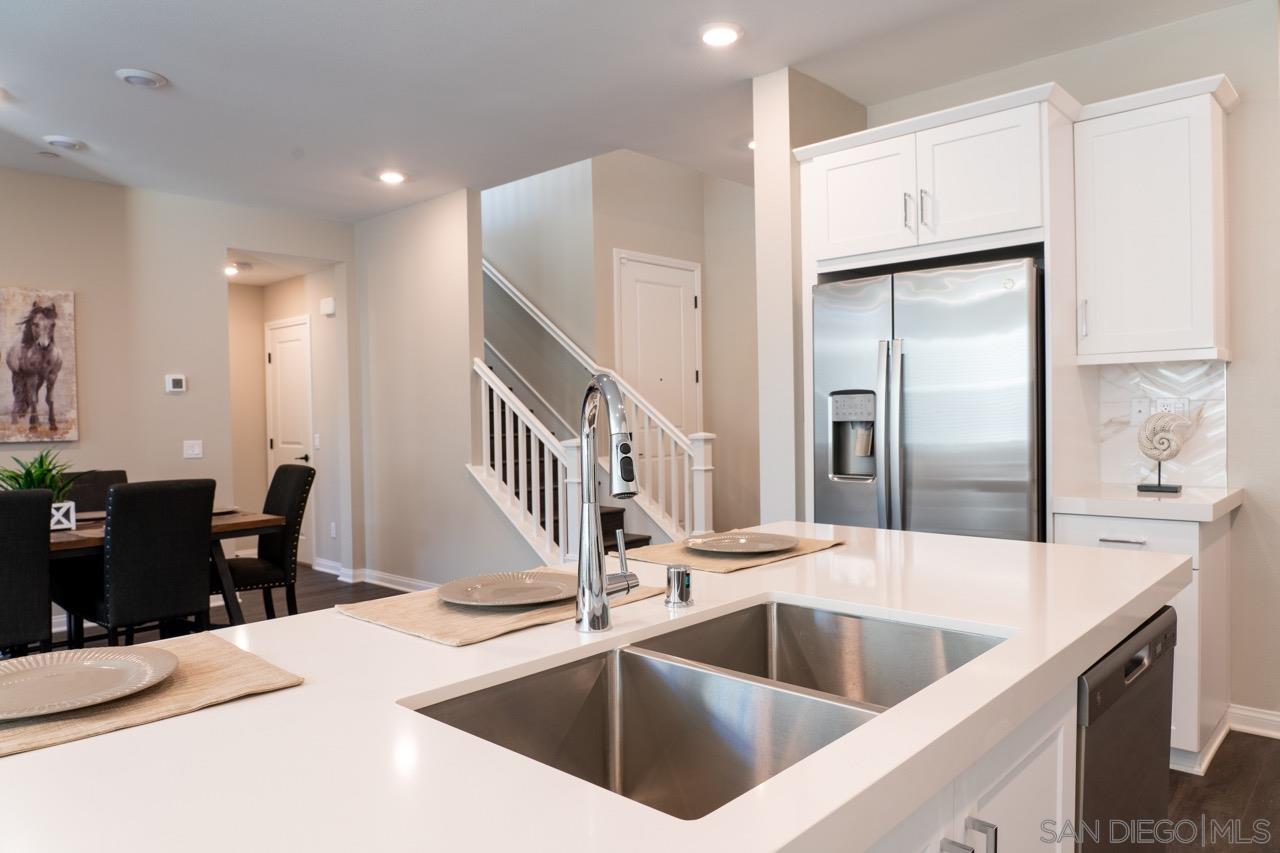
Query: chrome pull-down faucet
point(594, 588)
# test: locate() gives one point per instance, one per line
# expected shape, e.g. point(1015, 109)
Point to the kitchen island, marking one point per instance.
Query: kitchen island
point(344, 762)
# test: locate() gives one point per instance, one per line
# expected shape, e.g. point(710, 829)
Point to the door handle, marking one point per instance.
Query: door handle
point(906, 211)
point(306, 457)
point(984, 828)
point(1116, 540)
point(924, 202)
point(878, 444)
point(895, 436)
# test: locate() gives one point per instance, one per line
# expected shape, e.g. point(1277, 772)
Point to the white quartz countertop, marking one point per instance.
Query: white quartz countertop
point(1125, 501)
point(338, 765)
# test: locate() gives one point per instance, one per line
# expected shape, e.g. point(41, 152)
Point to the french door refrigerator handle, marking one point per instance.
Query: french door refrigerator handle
point(895, 434)
point(879, 444)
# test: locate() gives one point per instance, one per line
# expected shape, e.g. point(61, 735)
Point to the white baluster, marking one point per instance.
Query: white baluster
point(662, 477)
point(701, 470)
point(688, 493)
point(562, 523)
point(545, 481)
point(486, 431)
point(572, 497)
point(510, 458)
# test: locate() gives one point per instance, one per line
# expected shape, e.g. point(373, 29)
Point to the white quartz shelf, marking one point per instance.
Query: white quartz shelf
point(1125, 501)
point(338, 764)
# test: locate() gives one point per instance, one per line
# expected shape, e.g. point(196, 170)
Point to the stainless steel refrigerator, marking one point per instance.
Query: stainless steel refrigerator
point(927, 401)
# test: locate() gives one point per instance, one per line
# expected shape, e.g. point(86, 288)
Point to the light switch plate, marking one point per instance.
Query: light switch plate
point(193, 449)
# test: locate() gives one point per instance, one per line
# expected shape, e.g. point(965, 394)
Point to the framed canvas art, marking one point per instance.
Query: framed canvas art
point(38, 342)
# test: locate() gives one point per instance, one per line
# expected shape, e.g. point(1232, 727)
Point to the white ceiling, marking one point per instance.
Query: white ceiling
point(270, 267)
point(298, 103)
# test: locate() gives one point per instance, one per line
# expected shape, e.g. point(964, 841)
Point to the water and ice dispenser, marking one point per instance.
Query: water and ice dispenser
point(852, 422)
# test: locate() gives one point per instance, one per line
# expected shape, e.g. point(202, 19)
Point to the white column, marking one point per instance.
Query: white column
point(572, 508)
point(703, 513)
point(790, 109)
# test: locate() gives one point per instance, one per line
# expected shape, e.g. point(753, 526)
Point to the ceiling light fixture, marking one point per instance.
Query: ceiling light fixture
point(236, 267)
point(66, 143)
point(751, 145)
point(143, 78)
point(231, 269)
point(720, 34)
point(391, 176)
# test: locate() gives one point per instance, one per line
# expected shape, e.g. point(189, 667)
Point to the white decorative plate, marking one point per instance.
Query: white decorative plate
point(742, 542)
point(76, 678)
point(504, 589)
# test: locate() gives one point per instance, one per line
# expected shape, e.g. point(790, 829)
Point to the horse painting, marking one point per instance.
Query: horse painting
point(35, 361)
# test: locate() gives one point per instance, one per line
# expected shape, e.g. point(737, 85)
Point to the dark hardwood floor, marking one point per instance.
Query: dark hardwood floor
point(316, 591)
point(1243, 783)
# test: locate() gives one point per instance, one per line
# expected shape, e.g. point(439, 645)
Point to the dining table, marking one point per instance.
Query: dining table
point(90, 533)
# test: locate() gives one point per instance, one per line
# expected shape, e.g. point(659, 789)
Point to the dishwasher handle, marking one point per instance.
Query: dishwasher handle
point(1124, 667)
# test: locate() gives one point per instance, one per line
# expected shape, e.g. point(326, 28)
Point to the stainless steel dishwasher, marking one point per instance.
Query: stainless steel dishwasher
point(1122, 765)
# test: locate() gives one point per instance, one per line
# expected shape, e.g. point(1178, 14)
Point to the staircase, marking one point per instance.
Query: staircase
point(533, 476)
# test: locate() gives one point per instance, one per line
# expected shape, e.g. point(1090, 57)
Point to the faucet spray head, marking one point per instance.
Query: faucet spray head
point(622, 467)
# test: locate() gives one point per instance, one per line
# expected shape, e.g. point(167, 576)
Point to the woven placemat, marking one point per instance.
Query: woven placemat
point(424, 615)
point(210, 671)
point(669, 553)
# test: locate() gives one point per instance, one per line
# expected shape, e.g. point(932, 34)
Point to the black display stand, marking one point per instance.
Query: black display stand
point(1160, 486)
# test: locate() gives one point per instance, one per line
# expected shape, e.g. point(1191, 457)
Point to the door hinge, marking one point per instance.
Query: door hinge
point(268, 358)
point(695, 300)
point(697, 376)
point(271, 444)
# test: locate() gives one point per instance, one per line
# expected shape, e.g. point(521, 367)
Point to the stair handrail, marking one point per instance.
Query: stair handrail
point(513, 402)
point(585, 360)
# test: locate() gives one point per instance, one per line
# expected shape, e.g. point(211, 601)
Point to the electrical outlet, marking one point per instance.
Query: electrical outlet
point(1174, 405)
point(1139, 409)
point(193, 449)
point(333, 530)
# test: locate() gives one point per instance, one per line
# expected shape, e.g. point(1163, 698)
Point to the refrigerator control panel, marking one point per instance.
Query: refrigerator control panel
point(853, 406)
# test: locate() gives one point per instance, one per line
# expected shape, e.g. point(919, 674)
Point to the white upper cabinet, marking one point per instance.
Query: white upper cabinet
point(863, 199)
point(980, 176)
point(1150, 250)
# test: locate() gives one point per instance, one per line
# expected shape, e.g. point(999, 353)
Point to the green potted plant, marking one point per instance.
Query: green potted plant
point(45, 471)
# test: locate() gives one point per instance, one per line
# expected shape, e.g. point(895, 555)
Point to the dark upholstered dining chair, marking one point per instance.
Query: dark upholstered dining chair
point(155, 563)
point(24, 571)
point(89, 488)
point(277, 562)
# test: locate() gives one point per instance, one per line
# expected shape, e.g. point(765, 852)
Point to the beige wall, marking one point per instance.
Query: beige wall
point(419, 290)
point(789, 109)
point(248, 396)
point(1242, 42)
point(151, 299)
point(729, 350)
point(537, 233)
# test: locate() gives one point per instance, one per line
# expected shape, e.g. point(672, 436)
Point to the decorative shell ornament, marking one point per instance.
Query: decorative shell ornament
point(1159, 439)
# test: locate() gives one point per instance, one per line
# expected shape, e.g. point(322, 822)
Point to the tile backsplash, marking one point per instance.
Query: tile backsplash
point(1203, 459)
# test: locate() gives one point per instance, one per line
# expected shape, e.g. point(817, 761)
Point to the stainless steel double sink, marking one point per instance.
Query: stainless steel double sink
point(688, 720)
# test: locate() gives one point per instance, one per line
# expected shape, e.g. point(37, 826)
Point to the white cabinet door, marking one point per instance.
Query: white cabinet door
point(861, 200)
point(1185, 730)
point(1026, 779)
point(980, 176)
point(924, 830)
point(1148, 230)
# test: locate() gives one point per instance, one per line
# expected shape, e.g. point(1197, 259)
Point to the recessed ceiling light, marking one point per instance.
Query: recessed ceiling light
point(231, 269)
point(236, 267)
point(751, 145)
point(66, 143)
point(142, 77)
point(720, 34)
point(391, 176)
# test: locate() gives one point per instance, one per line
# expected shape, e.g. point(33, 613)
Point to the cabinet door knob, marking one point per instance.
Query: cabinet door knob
point(985, 828)
point(949, 846)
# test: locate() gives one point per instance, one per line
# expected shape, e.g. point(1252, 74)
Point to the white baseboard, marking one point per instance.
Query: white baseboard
point(373, 576)
point(1239, 718)
point(1254, 721)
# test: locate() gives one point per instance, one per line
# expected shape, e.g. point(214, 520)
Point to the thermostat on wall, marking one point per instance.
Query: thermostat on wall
point(175, 383)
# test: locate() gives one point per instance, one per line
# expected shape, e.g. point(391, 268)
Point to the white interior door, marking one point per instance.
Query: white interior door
point(658, 348)
point(289, 436)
